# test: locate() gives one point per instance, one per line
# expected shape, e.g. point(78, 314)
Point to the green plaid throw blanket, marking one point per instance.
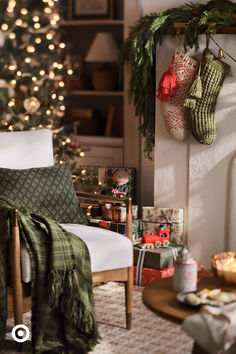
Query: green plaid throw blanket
point(63, 317)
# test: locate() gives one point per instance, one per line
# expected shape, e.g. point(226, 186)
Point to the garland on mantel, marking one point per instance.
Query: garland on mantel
point(139, 51)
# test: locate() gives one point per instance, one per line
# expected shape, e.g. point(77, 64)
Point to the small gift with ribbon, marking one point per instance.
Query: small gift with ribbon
point(155, 258)
point(118, 213)
point(155, 263)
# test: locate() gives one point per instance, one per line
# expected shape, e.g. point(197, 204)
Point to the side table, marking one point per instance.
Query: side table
point(160, 297)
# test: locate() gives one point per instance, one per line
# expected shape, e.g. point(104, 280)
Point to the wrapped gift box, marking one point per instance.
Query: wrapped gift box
point(104, 224)
point(156, 258)
point(91, 209)
point(94, 221)
point(171, 217)
point(109, 225)
point(162, 215)
point(117, 214)
point(106, 213)
point(87, 175)
point(121, 227)
point(148, 275)
point(137, 236)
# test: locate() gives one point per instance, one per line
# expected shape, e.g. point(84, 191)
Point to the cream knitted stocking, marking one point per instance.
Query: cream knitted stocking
point(174, 112)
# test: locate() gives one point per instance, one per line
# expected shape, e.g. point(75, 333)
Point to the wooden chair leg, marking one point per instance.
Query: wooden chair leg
point(16, 275)
point(129, 297)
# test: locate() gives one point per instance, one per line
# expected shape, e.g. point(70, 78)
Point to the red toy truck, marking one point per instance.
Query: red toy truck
point(161, 238)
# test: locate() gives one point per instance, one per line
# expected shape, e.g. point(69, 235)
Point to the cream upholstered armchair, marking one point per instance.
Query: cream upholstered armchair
point(111, 253)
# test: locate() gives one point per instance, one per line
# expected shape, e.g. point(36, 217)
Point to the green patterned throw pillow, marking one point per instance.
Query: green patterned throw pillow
point(47, 191)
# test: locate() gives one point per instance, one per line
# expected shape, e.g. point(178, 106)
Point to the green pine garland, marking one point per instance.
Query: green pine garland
point(139, 51)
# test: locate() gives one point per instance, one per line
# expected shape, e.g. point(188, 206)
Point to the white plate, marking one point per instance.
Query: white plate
point(181, 298)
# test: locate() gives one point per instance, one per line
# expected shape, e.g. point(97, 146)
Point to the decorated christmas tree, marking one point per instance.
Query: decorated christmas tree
point(32, 70)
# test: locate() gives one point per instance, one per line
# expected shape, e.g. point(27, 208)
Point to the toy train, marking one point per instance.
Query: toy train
point(162, 238)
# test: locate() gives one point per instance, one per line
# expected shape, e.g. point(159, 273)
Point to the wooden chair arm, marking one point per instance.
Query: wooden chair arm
point(107, 198)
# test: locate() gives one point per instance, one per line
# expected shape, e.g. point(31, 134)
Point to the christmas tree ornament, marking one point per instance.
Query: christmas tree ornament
point(31, 104)
point(60, 114)
point(202, 98)
point(174, 112)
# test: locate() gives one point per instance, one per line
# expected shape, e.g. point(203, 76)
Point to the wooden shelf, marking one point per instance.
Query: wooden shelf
point(96, 140)
point(79, 33)
point(96, 93)
point(71, 23)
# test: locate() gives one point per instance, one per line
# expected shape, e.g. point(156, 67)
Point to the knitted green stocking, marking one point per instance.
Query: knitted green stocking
point(203, 95)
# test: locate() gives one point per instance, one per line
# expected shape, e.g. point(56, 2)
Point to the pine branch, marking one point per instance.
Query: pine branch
point(139, 51)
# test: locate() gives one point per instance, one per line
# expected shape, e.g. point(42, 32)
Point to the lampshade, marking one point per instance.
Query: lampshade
point(103, 49)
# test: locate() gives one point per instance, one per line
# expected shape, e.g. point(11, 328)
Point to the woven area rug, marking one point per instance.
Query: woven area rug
point(149, 334)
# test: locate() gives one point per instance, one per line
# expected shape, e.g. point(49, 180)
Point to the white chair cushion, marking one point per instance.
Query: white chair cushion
point(108, 250)
point(26, 149)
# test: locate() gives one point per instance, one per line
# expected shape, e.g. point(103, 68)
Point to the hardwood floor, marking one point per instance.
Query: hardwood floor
point(26, 304)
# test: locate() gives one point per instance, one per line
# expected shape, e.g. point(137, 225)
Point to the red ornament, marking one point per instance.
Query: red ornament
point(167, 85)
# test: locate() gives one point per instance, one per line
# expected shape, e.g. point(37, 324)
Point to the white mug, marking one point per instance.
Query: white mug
point(186, 276)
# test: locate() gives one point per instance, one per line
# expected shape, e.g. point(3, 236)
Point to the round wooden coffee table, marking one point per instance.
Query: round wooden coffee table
point(160, 297)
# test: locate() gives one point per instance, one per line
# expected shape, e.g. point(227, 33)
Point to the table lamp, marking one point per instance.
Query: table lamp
point(103, 50)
